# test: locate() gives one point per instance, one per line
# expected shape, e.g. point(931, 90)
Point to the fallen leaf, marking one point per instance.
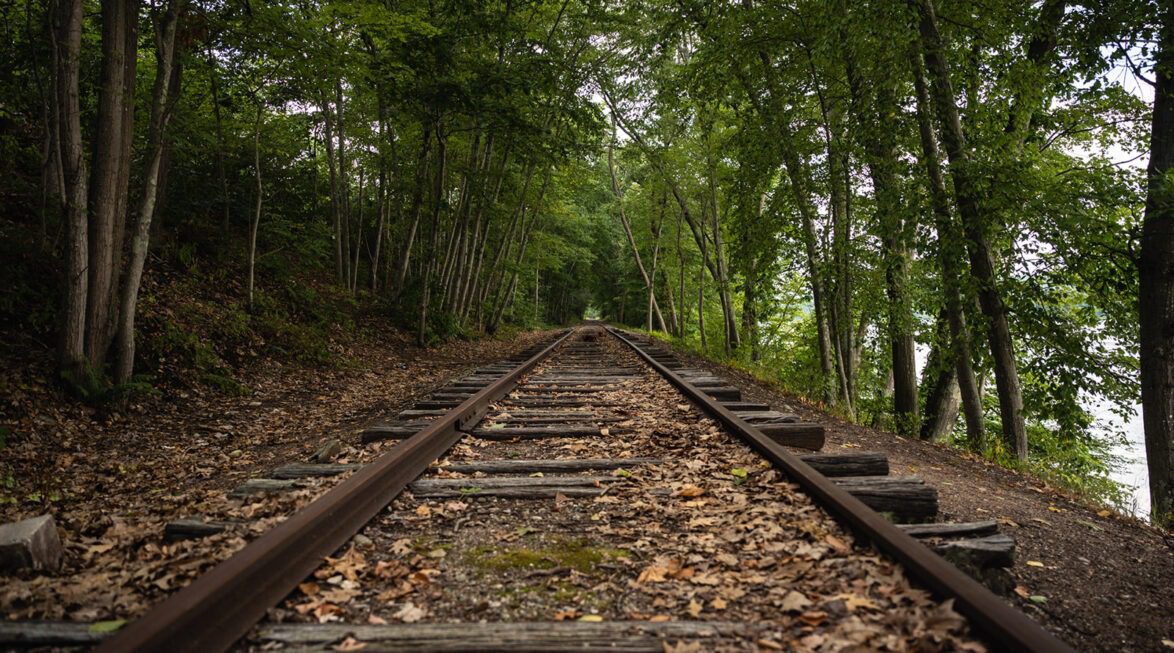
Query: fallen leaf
point(563, 615)
point(1037, 598)
point(591, 617)
point(1034, 563)
point(814, 617)
point(694, 608)
point(1022, 591)
point(349, 644)
point(1106, 513)
point(794, 602)
point(410, 613)
point(689, 490)
point(401, 547)
point(106, 627)
point(718, 604)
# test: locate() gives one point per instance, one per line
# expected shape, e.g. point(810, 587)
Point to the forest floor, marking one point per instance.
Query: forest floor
point(112, 479)
point(1108, 580)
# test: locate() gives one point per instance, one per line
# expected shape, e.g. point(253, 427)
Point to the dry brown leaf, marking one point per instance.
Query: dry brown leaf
point(794, 602)
point(349, 644)
point(410, 613)
point(689, 490)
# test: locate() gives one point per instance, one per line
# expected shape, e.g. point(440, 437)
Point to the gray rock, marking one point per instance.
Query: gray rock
point(30, 543)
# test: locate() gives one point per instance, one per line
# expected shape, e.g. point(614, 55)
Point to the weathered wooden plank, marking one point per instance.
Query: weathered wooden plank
point(745, 406)
point(577, 420)
point(256, 486)
point(965, 529)
point(537, 432)
point(980, 553)
point(584, 402)
point(622, 636)
point(47, 633)
point(726, 393)
point(864, 463)
point(311, 470)
point(766, 417)
point(511, 481)
point(539, 492)
point(802, 435)
point(192, 529)
point(908, 498)
point(547, 466)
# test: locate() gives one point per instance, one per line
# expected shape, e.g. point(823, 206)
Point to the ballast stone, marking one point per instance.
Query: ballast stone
point(30, 543)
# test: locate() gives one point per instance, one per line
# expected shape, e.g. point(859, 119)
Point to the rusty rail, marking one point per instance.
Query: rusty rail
point(225, 602)
point(1002, 624)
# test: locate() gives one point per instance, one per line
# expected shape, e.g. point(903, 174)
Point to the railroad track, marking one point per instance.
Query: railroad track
point(595, 494)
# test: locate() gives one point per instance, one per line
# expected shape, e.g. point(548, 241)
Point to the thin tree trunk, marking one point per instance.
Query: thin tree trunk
point(615, 189)
point(880, 147)
point(166, 78)
point(405, 258)
point(256, 221)
point(220, 168)
point(701, 292)
point(335, 195)
point(940, 383)
point(439, 173)
point(974, 226)
point(344, 184)
point(110, 175)
point(67, 35)
point(949, 255)
point(1156, 270)
point(652, 270)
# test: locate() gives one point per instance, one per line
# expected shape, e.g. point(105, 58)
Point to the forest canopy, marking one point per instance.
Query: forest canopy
point(927, 215)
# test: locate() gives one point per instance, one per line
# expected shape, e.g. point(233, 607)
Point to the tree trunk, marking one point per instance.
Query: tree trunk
point(615, 189)
point(220, 146)
point(67, 35)
point(162, 103)
point(110, 176)
point(405, 257)
point(975, 228)
point(940, 381)
point(1156, 269)
point(256, 221)
point(439, 172)
point(949, 255)
point(344, 184)
point(335, 201)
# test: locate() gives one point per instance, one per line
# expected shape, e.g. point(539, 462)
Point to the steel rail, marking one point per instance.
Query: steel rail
point(999, 622)
point(225, 602)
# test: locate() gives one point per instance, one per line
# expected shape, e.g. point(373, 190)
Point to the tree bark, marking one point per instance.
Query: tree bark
point(255, 223)
point(949, 254)
point(880, 147)
point(401, 273)
point(974, 226)
point(1156, 270)
point(67, 35)
point(110, 176)
point(615, 189)
point(162, 103)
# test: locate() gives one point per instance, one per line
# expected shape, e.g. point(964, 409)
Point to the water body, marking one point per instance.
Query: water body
point(1133, 473)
